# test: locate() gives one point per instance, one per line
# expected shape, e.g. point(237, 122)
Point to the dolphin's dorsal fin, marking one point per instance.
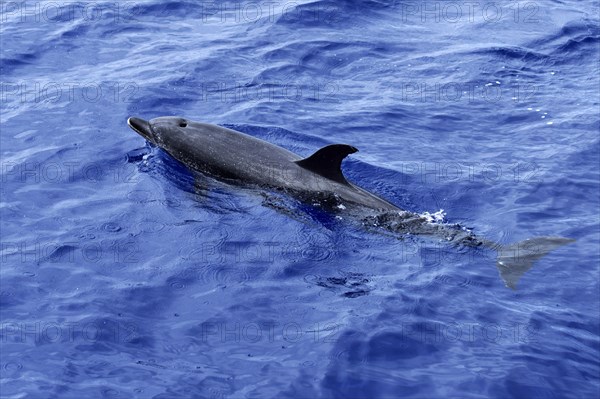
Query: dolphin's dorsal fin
point(327, 161)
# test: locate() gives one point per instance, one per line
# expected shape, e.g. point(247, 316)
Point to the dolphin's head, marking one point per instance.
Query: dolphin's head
point(155, 130)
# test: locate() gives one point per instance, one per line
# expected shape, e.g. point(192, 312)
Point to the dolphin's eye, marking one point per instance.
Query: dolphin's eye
point(183, 124)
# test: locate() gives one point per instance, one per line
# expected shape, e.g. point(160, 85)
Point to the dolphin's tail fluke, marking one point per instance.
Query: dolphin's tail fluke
point(515, 259)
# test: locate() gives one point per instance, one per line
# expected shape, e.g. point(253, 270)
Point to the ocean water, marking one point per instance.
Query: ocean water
point(125, 276)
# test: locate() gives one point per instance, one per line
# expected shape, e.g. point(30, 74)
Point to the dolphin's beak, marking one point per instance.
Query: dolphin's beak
point(142, 127)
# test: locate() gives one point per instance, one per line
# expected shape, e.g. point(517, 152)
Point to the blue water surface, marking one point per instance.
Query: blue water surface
point(125, 276)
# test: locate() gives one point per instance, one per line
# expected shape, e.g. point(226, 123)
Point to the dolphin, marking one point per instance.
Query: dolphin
point(229, 154)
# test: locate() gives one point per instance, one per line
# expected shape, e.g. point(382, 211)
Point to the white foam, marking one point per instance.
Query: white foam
point(437, 217)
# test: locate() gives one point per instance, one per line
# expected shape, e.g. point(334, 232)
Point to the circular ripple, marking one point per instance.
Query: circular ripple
point(338, 357)
point(221, 275)
point(111, 227)
point(317, 253)
point(213, 234)
point(178, 285)
point(12, 366)
point(150, 226)
point(453, 281)
point(292, 298)
point(327, 293)
point(400, 305)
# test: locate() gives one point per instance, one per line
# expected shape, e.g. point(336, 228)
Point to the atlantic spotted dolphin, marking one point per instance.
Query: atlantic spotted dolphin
point(229, 154)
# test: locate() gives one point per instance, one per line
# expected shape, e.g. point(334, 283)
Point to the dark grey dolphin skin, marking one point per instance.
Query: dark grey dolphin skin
point(230, 154)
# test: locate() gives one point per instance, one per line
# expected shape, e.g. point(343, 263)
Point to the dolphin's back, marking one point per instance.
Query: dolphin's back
point(229, 153)
point(232, 154)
